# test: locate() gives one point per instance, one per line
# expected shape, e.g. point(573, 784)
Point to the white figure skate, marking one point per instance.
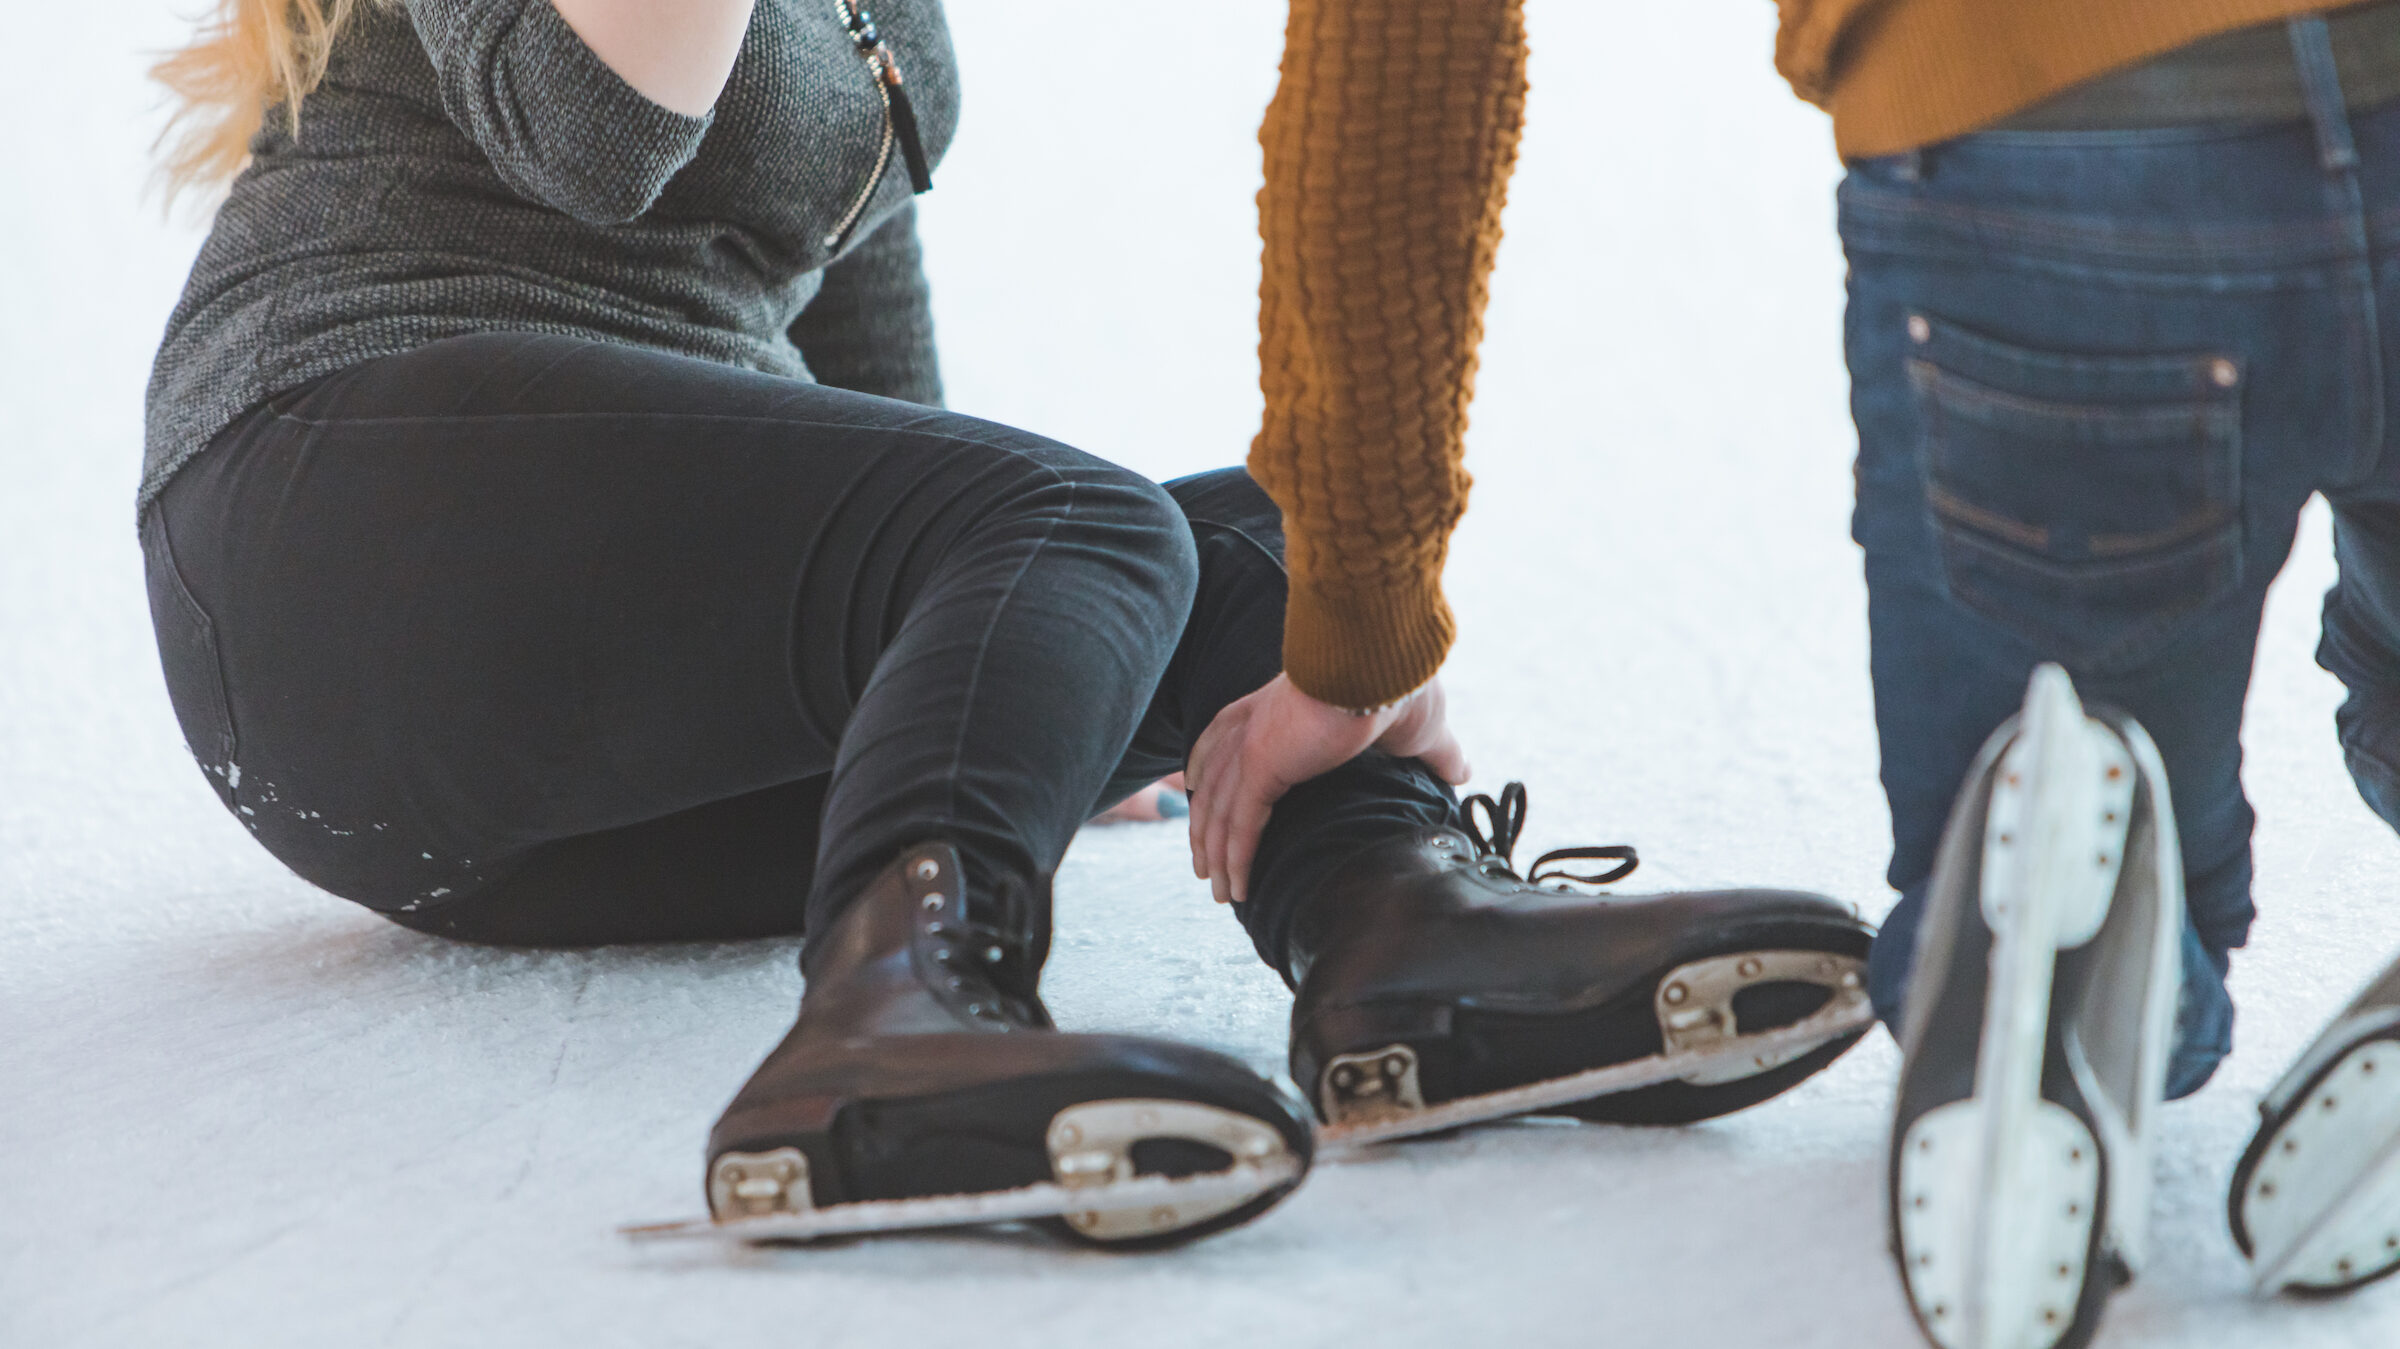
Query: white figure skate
point(2316, 1199)
point(2036, 1031)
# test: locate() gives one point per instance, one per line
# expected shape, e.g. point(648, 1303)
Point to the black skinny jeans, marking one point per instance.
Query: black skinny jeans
point(536, 640)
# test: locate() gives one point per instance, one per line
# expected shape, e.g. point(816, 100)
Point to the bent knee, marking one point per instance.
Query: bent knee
point(1114, 517)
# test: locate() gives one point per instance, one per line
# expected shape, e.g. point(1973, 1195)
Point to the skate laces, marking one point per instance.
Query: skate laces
point(994, 930)
point(1495, 838)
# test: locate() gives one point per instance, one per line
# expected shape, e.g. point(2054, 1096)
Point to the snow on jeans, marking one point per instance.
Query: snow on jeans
point(2096, 375)
point(535, 639)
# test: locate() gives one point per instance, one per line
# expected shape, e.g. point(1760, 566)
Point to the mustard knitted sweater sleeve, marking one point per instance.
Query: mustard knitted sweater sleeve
point(1388, 150)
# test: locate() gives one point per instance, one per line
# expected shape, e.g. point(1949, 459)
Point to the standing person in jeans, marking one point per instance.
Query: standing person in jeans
point(2114, 316)
point(554, 538)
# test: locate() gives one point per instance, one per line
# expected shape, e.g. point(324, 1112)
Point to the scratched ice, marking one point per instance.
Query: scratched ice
point(235, 1112)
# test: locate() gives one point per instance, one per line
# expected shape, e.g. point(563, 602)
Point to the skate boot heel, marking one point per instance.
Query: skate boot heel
point(780, 1180)
point(1371, 1088)
point(1378, 1060)
point(2036, 1033)
point(1997, 1276)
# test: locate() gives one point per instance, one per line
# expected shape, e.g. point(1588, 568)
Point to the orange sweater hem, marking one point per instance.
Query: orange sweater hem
point(1907, 73)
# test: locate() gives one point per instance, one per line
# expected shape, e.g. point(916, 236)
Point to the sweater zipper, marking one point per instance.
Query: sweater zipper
point(899, 117)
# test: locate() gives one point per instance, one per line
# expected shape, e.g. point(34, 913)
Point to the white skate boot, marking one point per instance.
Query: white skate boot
point(2036, 1032)
point(2316, 1199)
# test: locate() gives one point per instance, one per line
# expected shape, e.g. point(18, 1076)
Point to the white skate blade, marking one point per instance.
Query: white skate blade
point(1997, 1269)
point(2322, 1206)
point(1845, 1013)
point(1145, 1195)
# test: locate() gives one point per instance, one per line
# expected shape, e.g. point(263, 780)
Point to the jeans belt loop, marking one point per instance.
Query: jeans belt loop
point(2321, 86)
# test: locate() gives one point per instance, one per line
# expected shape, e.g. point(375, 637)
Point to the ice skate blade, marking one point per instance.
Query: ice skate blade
point(1096, 1188)
point(2322, 1204)
point(1845, 1013)
point(1997, 1268)
point(1226, 1189)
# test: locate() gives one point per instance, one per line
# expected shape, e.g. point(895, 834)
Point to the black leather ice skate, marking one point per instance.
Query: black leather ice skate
point(1429, 971)
point(924, 1069)
point(2315, 1202)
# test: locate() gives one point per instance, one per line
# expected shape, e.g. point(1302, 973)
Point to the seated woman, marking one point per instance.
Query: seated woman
point(554, 538)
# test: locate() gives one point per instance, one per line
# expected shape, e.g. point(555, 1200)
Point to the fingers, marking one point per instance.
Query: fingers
point(1241, 799)
point(1247, 820)
point(1224, 791)
point(1203, 804)
point(1202, 807)
point(1448, 759)
point(1278, 736)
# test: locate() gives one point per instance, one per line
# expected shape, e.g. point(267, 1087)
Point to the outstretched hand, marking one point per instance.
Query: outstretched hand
point(1262, 746)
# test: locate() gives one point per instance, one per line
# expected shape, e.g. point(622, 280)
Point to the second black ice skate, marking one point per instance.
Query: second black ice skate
point(1428, 971)
point(924, 1085)
point(2315, 1202)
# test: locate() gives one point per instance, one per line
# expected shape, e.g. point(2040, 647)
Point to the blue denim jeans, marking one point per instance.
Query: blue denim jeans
point(2096, 376)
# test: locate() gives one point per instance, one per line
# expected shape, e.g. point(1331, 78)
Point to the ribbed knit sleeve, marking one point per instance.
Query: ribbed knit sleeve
point(870, 327)
point(557, 123)
point(1388, 149)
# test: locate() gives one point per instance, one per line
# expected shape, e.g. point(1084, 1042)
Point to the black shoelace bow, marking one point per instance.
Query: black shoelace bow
point(1505, 819)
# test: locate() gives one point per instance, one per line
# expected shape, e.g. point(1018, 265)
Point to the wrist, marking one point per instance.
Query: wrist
point(1368, 649)
point(1393, 706)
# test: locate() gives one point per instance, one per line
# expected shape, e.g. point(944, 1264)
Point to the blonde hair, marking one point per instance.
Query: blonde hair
point(249, 56)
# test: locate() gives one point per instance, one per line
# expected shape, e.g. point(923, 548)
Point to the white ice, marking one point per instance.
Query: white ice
point(234, 1111)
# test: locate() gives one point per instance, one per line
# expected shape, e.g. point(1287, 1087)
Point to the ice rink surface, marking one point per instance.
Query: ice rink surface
point(234, 1111)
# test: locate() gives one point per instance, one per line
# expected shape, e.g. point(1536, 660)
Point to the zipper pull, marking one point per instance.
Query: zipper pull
point(886, 67)
point(904, 122)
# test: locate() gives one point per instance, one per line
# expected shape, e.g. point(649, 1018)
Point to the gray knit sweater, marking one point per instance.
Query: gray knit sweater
point(469, 166)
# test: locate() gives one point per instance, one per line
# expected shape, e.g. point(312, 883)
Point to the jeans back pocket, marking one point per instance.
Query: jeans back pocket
point(2089, 504)
point(187, 651)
